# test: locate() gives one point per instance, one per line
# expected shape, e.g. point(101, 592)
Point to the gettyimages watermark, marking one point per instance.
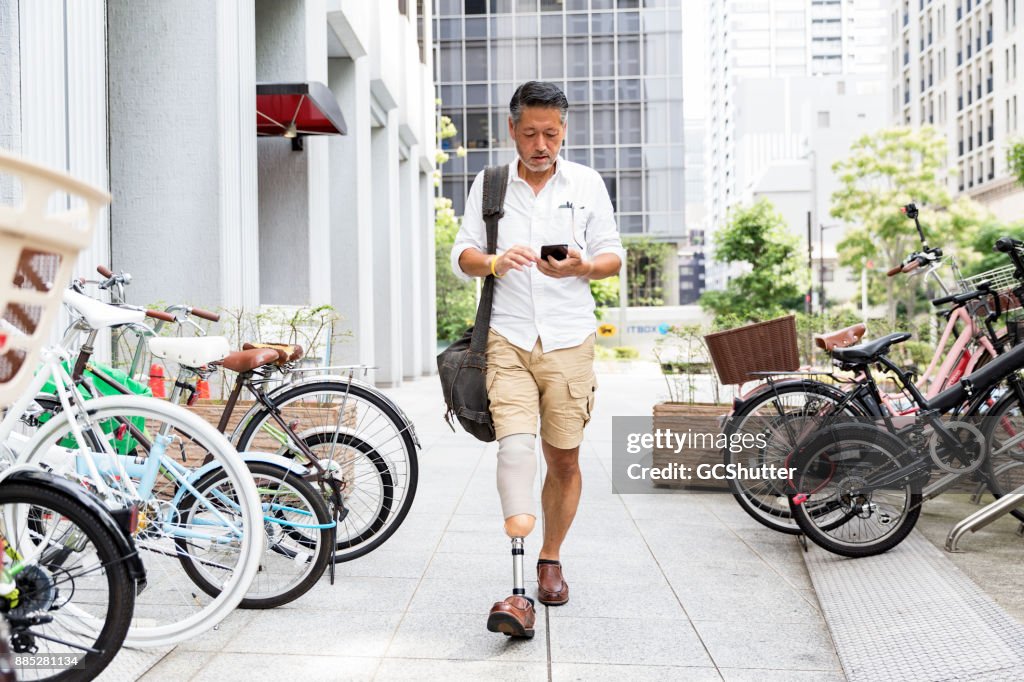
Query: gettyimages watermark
point(777, 456)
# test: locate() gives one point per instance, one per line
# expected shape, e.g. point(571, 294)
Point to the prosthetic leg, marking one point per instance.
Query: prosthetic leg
point(517, 469)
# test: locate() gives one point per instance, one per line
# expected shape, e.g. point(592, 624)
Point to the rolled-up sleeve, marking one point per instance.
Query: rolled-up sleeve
point(472, 232)
point(602, 231)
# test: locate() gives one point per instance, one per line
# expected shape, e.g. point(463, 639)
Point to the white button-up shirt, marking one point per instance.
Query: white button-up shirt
point(572, 208)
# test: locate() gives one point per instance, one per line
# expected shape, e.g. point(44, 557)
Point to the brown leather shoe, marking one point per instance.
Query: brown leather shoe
point(552, 590)
point(514, 617)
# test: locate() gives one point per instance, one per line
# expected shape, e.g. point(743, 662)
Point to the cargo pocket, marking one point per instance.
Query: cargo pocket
point(582, 392)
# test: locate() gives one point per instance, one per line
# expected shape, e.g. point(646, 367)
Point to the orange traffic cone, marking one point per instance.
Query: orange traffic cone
point(203, 389)
point(156, 381)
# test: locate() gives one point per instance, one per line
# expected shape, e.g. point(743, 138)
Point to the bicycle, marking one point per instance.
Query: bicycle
point(69, 575)
point(358, 442)
point(68, 567)
point(788, 398)
point(295, 517)
point(81, 442)
point(856, 489)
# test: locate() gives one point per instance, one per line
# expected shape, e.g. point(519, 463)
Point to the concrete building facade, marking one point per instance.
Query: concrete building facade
point(791, 84)
point(956, 65)
point(157, 102)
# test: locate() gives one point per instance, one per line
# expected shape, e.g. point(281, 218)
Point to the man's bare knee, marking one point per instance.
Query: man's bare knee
point(520, 525)
point(562, 463)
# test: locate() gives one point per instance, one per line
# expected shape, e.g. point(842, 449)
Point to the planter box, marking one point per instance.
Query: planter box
point(695, 418)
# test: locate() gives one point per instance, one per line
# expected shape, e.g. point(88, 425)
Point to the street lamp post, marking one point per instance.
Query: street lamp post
point(821, 263)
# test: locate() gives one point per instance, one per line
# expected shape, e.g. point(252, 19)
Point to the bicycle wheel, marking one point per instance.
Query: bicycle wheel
point(357, 436)
point(298, 537)
point(74, 598)
point(839, 494)
point(783, 415)
point(156, 448)
point(1003, 469)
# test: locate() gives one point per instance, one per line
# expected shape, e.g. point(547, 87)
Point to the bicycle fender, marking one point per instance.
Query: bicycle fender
point(281, 461)
point(740, 402)
point(248, 457)
point(125, 544)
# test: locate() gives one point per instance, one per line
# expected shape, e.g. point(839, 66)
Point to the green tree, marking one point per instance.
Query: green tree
point(986, 257)
point(645, 267)
point(1015, 160)
point(606, 294)
point(884, 171)
point(758, 236)
point(455, 299)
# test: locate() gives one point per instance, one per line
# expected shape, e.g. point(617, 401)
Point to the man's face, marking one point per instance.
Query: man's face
point(538, 137)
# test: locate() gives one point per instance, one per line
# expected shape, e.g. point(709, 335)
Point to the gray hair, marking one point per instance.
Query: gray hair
point(538, 94)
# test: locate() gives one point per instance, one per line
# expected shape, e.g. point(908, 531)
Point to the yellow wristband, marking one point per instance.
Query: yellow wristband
point(494, 260)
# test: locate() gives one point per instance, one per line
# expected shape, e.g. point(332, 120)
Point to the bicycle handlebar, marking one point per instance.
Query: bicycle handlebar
point(160, 315)
point(960, 299)
point(105, 271)
point(205, 314)
point(894, 270)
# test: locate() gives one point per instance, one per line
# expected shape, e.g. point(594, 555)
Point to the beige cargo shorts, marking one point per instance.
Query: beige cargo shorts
point(558, 387)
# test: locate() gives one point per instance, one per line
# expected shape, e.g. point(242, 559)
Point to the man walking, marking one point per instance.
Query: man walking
point(540, 348)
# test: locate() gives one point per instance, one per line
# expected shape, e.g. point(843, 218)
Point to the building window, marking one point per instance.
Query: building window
point(823, 119)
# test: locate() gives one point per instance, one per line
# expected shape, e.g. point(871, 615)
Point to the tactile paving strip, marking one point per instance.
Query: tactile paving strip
point(911, 614)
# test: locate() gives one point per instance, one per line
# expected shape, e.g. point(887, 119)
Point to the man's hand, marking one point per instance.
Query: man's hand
point(572, 266)
point(516, 258)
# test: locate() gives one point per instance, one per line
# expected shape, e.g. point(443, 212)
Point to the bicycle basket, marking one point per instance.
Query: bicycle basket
point(762, 347)
point(46, 219)
point(1001, 279)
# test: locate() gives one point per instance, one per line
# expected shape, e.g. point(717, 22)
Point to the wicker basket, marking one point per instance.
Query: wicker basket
point(762, 347)
point(42, 231)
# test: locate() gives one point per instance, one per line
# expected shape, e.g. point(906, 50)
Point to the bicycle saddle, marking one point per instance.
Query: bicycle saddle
point(867, 352)
point(841, 338)
point(288, 352)
point(247, 360)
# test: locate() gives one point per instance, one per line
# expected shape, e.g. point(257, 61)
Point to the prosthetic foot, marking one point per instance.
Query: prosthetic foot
point(514, 616)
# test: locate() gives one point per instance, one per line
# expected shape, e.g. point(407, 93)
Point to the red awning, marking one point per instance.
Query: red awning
point(294, 110)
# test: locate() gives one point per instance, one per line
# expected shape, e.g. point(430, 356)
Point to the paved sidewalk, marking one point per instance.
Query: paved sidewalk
point(669, 586)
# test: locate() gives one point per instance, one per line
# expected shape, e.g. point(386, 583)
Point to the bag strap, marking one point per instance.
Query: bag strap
point(495, 184)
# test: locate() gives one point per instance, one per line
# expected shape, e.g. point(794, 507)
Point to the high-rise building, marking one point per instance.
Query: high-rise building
point(777, 38)
point(955, 65)
point(620, 65)
point(788, 81)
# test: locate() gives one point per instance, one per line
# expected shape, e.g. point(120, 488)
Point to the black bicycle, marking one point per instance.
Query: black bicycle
point(857, 485)
point(69, 577)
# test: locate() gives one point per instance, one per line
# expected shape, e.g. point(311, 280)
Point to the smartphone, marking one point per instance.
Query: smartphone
point(557, 251)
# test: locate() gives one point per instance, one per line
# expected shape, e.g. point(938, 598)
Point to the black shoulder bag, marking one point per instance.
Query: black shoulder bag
point(463, 365)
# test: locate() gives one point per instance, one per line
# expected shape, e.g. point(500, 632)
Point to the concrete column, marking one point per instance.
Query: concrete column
point(165, 153)
point(386, 251)
point(412, 266)
point(294, 207)
point(351, 219)
point(428, 296)
point(10, 89)
point(239, 192)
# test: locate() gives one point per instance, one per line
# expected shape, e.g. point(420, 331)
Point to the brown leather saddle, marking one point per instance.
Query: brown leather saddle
point(841, 338)
point(255, 355)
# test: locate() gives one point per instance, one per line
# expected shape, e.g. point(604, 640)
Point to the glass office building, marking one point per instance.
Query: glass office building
point(620, 65)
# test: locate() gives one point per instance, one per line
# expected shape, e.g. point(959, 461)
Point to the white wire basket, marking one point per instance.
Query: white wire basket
point(50, 220)
point(1001, 279)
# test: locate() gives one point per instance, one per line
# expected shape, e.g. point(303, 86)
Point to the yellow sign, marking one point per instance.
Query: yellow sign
point(606, 330)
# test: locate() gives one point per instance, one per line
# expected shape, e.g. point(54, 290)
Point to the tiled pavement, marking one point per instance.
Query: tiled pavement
point(673, 587)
